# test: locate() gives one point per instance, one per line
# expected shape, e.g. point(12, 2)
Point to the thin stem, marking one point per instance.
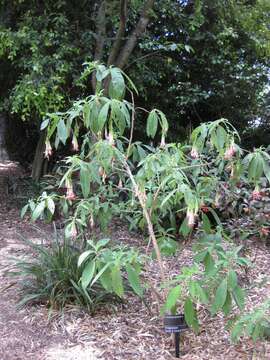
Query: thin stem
point(132, 124)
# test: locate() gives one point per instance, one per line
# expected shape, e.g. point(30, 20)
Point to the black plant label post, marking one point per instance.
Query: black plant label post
point(175, 324)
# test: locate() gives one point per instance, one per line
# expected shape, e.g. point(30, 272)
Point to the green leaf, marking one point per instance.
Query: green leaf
point(24, 210)
point(102, 116)
point(239, 297)
point(255, 169)
point(38, 210)
point(102, 243)
point(62, 131)
point(191, 315)
point(105, 279)
point(184, 228)
point(209, 263)
point(86, 115)
point(206, 224)
point(266, 170)
point(220, 297)
point(44, 124)
point(172, 298)
point(152, 123)
point(84, 256)
point(232, 279)
point(85, 177)
point(117, 282)
point(51, 205)
point(134, 280)
point(117, 84)
point(88, 273)
point(227, 307)
point(101, 272)
point(93, 117)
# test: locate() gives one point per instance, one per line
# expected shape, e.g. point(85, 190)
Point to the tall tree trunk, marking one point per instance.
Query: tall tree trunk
point(38, 163)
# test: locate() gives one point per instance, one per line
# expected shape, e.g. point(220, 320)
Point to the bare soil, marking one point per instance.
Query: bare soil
point(127, 331)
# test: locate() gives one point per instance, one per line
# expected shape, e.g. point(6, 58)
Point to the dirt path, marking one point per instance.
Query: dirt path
point(125, 332)
point(25, 333)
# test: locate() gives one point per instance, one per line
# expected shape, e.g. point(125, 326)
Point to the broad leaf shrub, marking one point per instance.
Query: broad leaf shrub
point(216, 286)
point(169, 189)
point(255, 324)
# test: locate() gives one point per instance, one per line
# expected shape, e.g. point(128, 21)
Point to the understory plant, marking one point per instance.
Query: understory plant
point(255, 324)
point(215, 286)
point(59, 274)
point(168, 190)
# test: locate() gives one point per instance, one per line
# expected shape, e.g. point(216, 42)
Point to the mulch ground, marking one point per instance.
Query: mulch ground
point(126, 331)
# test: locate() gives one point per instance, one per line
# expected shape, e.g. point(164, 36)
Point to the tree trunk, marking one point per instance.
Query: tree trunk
point(38, 163)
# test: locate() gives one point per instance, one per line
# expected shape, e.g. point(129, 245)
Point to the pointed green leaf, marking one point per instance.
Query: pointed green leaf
point(134, 280)
point(38, 210)
point(232, 279)
point(172, 298)
point(239, 297)
point(62, 131)
point(102, 116)
point(117, 282)
point(227, 307)
point(88, 273)
point(220, 297)
point(152, 123)
point(191, 315)
point(85, 178)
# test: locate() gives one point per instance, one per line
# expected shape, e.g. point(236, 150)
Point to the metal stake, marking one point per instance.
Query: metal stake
point(177, 345)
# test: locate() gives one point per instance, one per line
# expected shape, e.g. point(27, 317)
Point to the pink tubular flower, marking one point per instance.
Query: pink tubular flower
point(190, 218)
point(110, 139)
point(194, 153)
point(91, 222)
point(75, 146)
point(162, 143)
point(256, 194)
point(70, 195)
point(73, 232)
point(48, 149)
point(230, 152)
point(264, 231)
point(101, 171)
point(120, 184)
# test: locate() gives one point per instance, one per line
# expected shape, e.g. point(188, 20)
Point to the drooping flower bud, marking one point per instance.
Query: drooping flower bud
point(120, 184)
point(230, 152)
point(75, 145)
point(204, 208)
point(48, 149)
point(190, 218)
point(91, 222)
point(264, 231)
point(110, 139)
point(217, 200)
point(101, 171)
point(70, 195)
point(194, 153)
point(73, 231)
point(256, 194)
point(162, 142)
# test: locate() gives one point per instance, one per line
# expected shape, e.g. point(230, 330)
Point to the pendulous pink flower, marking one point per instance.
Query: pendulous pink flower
point(70, 195)
point(75, 145)
point(230, 152)
point(194, 153)
point(48, 149)
point(190, 218)
point(256, 194)
point(73, 232)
